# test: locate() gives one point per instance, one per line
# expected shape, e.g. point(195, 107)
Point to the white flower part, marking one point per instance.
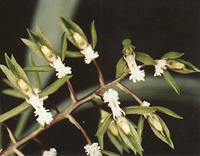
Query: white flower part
point(111, 96)
point(36, 90)
point(89, 54)
point(44, 116)
point(60, 68)
point(93, 150)
point(161, 64)
point(51, 152)
point(145, 104)
point(136, 74)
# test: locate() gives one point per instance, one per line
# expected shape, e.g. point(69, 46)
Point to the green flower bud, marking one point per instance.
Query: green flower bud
point(155, 122)
point(48, 54)
point(128, 47)
point(113, 129)
point(173, 64)
point(25, 88)
point(80, 41)
point(123, 124)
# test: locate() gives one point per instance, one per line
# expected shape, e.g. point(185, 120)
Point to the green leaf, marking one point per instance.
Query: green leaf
point(140, 127)
point(15, 111)
point(73, 54)
point(33, 36)
point(11, 77)
point(168, 112)
point(43, 39)
point(170, 80)
point(109, 153)
point(144, 58)
point(68, 25)
point(36, 75)
point(100, 141)
point(13, 92)
point(34, 47)
point(18, 70)
point(43, 68)
point(94, 35)
point(121, 67)
point(104, 125)
point(63, 45)
point(188, 64)
point(172, 55)
point(139, 110)
point(54, 86)
point(115, 141)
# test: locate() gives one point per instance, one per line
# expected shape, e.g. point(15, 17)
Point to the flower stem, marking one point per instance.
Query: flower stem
point(101, 78)
point(72, 92)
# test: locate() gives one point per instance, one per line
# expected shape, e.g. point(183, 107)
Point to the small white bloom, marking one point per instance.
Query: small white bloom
point(111, 96)
point(161, 64)
point(36, 90)
point(145, 104)
point(136, 74)
point(60, 68)
point(89, 54)
point(51, 152)
point(93, 150)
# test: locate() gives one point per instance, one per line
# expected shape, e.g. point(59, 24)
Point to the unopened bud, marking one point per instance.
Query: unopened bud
point(113, 129)
point(123, 124)
point(48, 54)
point(172, 64)
point(155, 122)
point(80, 41)
point(25, 88)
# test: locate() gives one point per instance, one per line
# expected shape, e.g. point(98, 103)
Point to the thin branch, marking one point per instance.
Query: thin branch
point(101, 78)
point(73, 121)
point(18, 152)
point(72, 92)
point(128, 91)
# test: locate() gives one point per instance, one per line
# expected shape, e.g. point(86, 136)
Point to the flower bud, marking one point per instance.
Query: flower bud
point(25, 88)
point(155, 122)
point(172, 64)
point(80, 41)
point(48, 54)
point(113, 129)
point(123, 124)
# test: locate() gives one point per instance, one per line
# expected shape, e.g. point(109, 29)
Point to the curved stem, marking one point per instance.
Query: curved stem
point(101, 78)
point(72, 92)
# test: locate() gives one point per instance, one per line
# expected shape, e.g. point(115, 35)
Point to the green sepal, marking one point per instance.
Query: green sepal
point(171, 81)
point(7, 82)
point(167, 111)
point(11, 77)
point(54, 86)
point(93, 35)
point(190, 68)
point(68, 26)
point(140, 127)
point(73, 54)
point(36, 75)
point(139, 110)
point(43, 39)
point(63, 46)
point(104, 125)
point(172, 55)
point(13, 92)
point(165, 137)
point(121, 67)
point(109, 153)
point(101, 141)
point(44, 68)
point(144, 58)
point(34, 47)
point(15, 111)
point(33, 36)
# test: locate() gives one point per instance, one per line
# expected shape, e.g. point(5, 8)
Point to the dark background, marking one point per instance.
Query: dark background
point(155, 27)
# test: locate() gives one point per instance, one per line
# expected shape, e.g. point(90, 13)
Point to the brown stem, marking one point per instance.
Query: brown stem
point(73, 121)
point(60, 116)
point(72, 92)
point(101, 78)
point(124, 88)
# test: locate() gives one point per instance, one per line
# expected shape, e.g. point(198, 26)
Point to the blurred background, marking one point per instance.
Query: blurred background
point(155, 27)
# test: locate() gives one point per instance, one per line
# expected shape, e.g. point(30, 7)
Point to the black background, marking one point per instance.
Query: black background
point(155, 27)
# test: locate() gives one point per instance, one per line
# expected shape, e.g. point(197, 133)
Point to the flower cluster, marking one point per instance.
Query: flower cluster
point(160, 67)
point(93, 150)
point(111, 96)
point(51, 152)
